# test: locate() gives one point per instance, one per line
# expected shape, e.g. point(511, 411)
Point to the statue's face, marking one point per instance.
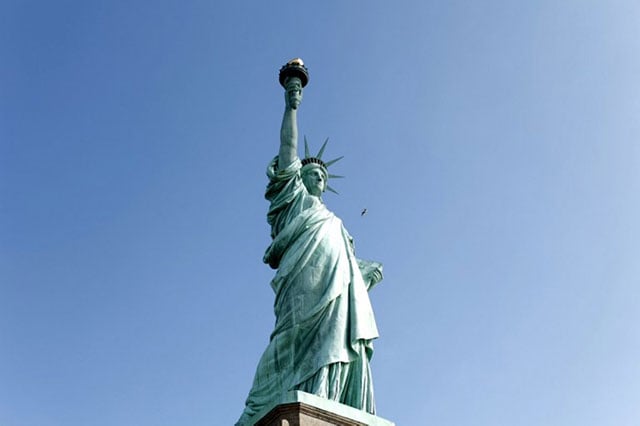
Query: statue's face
point(294, 92)
point(314, 180)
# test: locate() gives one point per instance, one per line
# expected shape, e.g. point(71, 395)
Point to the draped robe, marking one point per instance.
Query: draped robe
point(322, 340)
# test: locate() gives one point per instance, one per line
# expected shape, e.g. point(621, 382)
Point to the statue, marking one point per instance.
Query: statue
point(322, 341)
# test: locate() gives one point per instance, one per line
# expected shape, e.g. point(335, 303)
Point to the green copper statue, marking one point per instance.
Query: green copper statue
point(322, 341)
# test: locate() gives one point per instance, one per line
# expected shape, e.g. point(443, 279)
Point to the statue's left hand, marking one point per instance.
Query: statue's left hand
point(371, 272)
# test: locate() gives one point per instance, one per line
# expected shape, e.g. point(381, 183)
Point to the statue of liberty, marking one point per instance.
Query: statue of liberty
point(322, 340)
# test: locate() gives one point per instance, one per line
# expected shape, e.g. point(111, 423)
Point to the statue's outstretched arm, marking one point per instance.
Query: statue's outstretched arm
point(289, 130)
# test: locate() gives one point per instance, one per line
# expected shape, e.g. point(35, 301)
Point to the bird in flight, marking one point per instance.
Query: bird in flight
point(364, 211)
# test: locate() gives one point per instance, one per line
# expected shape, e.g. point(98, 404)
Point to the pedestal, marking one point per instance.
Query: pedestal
point(302, 409)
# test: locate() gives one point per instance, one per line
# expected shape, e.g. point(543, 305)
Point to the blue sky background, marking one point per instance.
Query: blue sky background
point(495, 144)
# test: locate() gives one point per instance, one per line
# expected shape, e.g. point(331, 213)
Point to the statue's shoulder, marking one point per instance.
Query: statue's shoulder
point(275, 172)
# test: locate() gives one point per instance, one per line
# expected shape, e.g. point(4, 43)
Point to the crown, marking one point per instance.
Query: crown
point(317, 161)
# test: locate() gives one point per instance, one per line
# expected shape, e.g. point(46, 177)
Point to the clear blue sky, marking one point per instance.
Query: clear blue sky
point(495, 144)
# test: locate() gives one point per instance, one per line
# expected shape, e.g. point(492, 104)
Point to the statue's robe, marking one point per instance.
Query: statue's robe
point(322, 341)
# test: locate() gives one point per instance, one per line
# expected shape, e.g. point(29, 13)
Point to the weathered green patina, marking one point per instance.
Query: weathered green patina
point(322, 341)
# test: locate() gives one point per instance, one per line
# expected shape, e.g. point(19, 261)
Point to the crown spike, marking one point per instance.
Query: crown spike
point(332, 190)
point(328, 163)
point(324, 145)
point(306, 147)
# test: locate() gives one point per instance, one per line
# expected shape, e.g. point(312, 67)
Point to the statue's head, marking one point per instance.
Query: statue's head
point(293, 86)
point(314, 177)
point(315, 171)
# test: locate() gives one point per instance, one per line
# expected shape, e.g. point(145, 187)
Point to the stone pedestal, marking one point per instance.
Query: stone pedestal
point(302, 409)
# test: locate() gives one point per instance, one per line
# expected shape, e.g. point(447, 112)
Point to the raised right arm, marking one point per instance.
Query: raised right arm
point(288, 139)
point(289, 129)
